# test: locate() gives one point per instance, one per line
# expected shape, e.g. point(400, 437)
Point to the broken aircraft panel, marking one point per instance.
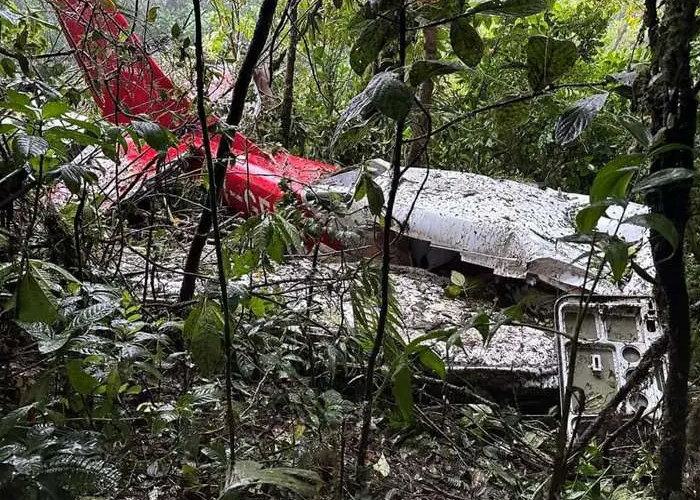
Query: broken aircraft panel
point(513, 228)
point(614, 334)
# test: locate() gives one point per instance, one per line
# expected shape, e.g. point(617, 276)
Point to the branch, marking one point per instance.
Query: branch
point(235, 113)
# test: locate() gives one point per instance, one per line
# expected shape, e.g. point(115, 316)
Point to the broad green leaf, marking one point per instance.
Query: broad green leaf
point(30, 145)
point(548, 59)
point(152, 14)
point(391, 96)
point(403, 392)
point(7, 128)
point(53, 109)
point(248, 474)
point(375, 196)
point(458, 278)
point(617, 256)
point(659, 223)
point(512, 8)
point(665, 148)
point(202, 331)
point(54, 134)
point(441, 9)
point(82, 382)
point(433, 362)
point(638, 131)
point(612, 181)
point(466, 42)
point(664, 178)
point(8, 66)
point(482, 324)
point(155, 136)
point(35, 301)
point(175, 31)
point(257, 306)
point(369, 43)
point(587, 218)
point(73, 175)
point(423, 70)
point(577, 118)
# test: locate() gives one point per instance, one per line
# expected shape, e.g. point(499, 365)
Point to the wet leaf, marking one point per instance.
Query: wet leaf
point(466, 42)
point(612, 181)
point(424, 70)
point(548, 59)
point(31, 145)
point(403, 392)
point(664, 178)
point(369, 43)
point(512, 8)
point(35, 301)
point(616, 255)
point(577, 118)
point(202, 332)
point(79, 379)
point(659, 223)
point(155, 136)
point(391, 96)
point(638, 131)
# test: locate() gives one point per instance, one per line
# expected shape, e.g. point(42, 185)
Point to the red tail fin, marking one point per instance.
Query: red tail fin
point(123, 79)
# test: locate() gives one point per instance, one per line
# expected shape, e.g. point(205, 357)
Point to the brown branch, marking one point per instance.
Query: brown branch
point(233, 119)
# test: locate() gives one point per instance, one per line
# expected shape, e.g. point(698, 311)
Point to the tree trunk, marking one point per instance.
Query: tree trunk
point(417, 152)
point(673, 108)
point(235, 113)
point(288, 99)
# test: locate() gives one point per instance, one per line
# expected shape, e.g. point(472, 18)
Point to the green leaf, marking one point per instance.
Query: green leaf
point(73, 175)
point(53, 109)
point(617, 256)
point(248, 474)
point(664, 178)
point(423, 70)
point(9, 16)
point(202, 331)
point(152, 14)
point(30, 145)
point(587, 218)
point(403, 392)
point(612, 181)
point(482, 324)
point(8, 66)
point(257, 306)
point(458, 278)
point(577, 118)
point(453, 291)
point(659, 223)
point(433, 362)
point(548, 59)
point(155, 136)
point(638, 131)
point(82, 382)
point(35, 301)
point(466, 42)
point(391, 96)
point(369, 43)
point(665, 148)
point(511, 8)
point(176, 31)
point(375, 196)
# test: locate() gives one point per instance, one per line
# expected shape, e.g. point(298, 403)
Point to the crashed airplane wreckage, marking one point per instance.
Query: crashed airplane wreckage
point(449, 220)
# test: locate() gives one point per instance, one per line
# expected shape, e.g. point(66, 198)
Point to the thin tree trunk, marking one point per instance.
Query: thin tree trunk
point(420, 128)
point(673, 108)
point(235, 113)
point(288, 99)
